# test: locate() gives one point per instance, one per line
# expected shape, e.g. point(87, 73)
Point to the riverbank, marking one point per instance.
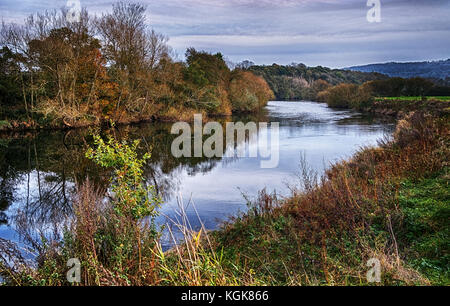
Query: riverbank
point(380, 97)
point(390, 203)
point(400, 106)
point(175, 115)
point(33, 125)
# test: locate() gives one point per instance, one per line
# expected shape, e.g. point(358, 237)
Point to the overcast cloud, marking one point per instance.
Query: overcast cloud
point(322, 32)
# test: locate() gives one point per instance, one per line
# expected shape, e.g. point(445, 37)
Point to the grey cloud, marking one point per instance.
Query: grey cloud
point(327, 32)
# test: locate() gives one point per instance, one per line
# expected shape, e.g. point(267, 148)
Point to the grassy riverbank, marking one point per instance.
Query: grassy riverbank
point(393, 96)
point(401, 106)
point(390, 203)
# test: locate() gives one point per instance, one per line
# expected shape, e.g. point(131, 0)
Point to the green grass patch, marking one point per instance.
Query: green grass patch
point(426, 230)
point(417, 98)
point(261, 245)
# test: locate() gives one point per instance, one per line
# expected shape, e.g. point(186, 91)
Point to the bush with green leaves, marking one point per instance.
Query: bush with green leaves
point(132, 198)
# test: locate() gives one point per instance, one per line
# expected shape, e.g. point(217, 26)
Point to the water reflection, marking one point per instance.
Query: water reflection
point(38, 171)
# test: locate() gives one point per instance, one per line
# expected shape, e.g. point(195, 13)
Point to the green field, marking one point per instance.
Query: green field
point(405, 98)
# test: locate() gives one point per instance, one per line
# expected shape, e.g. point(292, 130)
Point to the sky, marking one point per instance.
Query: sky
point(331, 33)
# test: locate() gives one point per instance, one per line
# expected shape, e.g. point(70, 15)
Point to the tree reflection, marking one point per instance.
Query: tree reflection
point(39, 171)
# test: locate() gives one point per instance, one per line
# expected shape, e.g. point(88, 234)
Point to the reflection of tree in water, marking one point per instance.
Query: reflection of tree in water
point(47, 165)
point(163, 170)
point(39, 170)
point(42, 169)
point(51, 203)
point(9, 176)
point(166, 184)
point(6, 194)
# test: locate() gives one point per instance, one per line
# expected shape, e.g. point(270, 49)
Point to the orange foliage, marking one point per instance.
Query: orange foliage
point(249, 92)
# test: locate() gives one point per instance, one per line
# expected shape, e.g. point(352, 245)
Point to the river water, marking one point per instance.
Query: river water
point(38, 171)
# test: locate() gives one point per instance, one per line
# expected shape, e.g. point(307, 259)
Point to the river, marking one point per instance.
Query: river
point(38, 169)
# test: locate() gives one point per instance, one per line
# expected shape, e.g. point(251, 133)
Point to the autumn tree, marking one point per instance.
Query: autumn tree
point(114, 67)
point(248, 92)
point(133, 51)
point(207, 77)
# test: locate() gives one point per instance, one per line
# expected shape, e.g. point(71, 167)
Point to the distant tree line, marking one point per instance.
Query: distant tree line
point(396, 87)
point(113, 66)
point(299, 82)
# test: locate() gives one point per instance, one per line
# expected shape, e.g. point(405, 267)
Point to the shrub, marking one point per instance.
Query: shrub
point(340, 96)
point(347, 96)
point(131, 196)
point(248, 92)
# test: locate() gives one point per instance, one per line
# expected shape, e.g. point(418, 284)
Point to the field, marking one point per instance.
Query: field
point(406, 98)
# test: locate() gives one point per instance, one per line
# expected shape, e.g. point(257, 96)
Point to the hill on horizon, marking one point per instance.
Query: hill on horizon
point(427, 69)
